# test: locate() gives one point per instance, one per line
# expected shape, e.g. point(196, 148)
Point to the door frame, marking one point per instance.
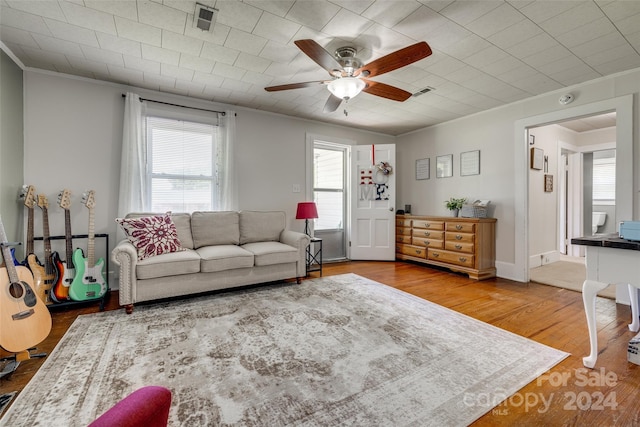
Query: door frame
point(623, 106)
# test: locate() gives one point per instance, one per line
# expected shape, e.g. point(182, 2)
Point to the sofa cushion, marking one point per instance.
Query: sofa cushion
point(151, 235)
point(215, 228)
point(171, 264)
point(224, 257)
point(269, 253)
point(261, 226)
point(182, 221)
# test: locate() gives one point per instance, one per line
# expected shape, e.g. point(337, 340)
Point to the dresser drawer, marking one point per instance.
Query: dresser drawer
point(459, 247)
point(431, 225)
point(426, 233)
point(415, 251)
point(459, 237)
point(463, 227)
point(403, 231)
point(403, 222)
point(403, 239)
point(427, 243)
point(452, 258)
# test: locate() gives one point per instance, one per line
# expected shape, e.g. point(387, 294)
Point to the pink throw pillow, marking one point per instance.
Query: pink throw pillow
point(152, 235)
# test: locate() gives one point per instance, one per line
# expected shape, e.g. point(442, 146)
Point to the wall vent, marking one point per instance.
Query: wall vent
point(423, 91)
point(204, 17)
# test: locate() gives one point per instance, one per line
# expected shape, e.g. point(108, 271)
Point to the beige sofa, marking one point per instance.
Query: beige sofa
point(223, 250)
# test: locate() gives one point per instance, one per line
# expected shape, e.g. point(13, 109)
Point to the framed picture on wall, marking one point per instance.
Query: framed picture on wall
point(444, 166)
point(548, 183)
point(470, 163)
point(537, 158)
point(423, 167)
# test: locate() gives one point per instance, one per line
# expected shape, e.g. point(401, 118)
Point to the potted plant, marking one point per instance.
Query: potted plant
point(454, 205)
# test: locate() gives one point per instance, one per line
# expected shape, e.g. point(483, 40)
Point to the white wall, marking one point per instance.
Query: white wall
point(73, 134)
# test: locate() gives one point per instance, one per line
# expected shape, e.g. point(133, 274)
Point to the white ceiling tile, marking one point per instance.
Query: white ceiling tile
point(258, 79)
point(346, 25)
point(144, 65)
point(44, 56)
point(599, 58)
point(208, 79)
point(277, 7)
point(486, 57)
point(158, 54)
point(124, 75)
point(541, 10)
point(279, 53)
point(437, 5)
point(275, 28)
point(219, 53)
point(47, 9)
point(619, 10)
point(188, 7)
point(72, 33)
point(583, 14)
point(515, 34)
point(561, 63)
point(252, 63)
point(216, 93)
point(313, 14)
point(139, 32)
point(378, 41)
point(117, 44)
point(465, 12)
point(56, 45)
point(572, 76)
point(238, 15)
point(156, 15)
point(82, 63)
point(355, 6)
point(190, 87)
point(16, 35)
point(174, 71)
point(602, 44)
point(630, 24)
point(233, 84)
point(466, 47)
point(390, 12)
point(444, 66)
point(181, 43)
point(447, 36)
point(421, 24)
point(98, 55)
point(124, 9)
point(547, 56)
point(228, 71)
point(495, 21)
point(88, 18)
point(515, 74)
point(596, 29)
point(196, 63)
point(537, 84)
point(502, 66)
point(217, 36)
point(24, 21)
point(535, 44)
point(245, 42)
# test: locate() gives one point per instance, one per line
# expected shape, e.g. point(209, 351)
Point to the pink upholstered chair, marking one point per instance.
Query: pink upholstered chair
point(148, 407)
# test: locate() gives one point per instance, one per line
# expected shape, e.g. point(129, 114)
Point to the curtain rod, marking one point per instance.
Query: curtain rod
point(177, 105)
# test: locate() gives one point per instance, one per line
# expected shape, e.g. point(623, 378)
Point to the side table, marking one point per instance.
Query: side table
point(314, 255)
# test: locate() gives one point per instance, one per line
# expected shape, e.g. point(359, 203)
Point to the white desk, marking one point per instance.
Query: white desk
point(610, 261)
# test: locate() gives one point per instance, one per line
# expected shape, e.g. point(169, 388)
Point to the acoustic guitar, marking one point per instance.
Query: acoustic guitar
point(66, 271)
point(89, 282)
point(24, 319)
point(43, 276)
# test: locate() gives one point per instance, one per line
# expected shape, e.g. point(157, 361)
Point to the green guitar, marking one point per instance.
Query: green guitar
point(89, 282)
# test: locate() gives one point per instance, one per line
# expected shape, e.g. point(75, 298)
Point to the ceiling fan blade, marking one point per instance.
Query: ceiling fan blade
point(316, 52)
point(295, 85)
point(385, 91)
point(332, 104)
point(395, 60)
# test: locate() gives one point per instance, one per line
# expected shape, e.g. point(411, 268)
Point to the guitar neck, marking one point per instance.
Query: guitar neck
point(8, 259)
point(29, 231)
point(67, 235)
point(48, 265)
point(90, 243)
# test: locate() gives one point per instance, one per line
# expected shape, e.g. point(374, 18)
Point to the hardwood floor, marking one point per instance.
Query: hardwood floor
point(567, 395)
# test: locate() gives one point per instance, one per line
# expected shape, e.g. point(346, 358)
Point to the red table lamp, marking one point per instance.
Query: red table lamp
point(306, 211)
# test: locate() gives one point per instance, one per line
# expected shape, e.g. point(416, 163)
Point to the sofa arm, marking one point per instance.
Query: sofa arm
point(125, 256)
point(299, 241)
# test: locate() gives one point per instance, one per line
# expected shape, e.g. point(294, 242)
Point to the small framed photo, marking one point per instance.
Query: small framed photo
point(537, 158)
point(470, 163)
point(548, 183)
point(423, 168)
point(444, 166)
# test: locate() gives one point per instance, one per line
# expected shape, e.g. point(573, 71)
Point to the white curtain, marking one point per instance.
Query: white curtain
point(228, 190)
point(134, 157)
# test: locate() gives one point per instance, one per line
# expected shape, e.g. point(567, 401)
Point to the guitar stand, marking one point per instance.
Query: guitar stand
point(14, 361)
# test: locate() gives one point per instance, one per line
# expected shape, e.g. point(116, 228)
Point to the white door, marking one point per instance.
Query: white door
point(373, 201)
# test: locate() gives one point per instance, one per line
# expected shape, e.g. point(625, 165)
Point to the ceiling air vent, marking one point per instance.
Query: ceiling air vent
point(204, 17)
point(423, 91)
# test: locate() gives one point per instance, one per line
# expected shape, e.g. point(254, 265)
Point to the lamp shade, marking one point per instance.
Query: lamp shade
point(307, 210)
point(346, 87)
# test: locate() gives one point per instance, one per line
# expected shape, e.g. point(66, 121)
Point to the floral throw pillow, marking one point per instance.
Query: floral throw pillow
point(152, 235)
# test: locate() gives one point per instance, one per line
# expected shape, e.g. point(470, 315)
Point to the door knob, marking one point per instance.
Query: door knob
point(391, 209)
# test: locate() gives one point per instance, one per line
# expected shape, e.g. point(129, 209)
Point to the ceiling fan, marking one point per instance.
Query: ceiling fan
point(349, 77)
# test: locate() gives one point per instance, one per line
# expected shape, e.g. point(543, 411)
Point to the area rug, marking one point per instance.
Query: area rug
point(339, 350)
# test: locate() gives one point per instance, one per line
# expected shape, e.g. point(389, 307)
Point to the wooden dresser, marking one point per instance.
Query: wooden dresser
point(464, 245)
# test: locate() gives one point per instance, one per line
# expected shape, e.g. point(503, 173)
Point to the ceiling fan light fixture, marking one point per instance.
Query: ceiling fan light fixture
point(346, 87)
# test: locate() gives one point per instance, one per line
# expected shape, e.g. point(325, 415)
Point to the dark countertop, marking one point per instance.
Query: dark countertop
point(607, 241)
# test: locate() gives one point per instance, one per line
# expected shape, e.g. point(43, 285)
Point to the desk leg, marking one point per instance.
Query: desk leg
point(590, 289)
point(633, 297)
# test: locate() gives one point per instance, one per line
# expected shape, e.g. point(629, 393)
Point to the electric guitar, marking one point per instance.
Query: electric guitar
point(89, 282)
point(66, 271)
point(27, 195)
point(43, 276)
point(24, 319)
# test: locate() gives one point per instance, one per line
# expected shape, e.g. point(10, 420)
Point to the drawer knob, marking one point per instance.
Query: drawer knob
point(458, 246)
point(426, 242)
point(426, 233)
point(458, 227)
point(418, 251)
point(436, 254)
point(463, 259)
point(427, 224)
point(458, 237)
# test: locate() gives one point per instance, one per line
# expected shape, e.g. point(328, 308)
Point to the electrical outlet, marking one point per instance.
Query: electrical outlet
point(296, 188)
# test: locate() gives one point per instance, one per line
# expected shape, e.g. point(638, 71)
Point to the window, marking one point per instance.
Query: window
point(328, 188)
point(181, 169)
point(604, 180)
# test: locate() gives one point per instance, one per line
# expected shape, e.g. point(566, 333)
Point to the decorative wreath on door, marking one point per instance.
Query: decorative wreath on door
point(385, 168)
